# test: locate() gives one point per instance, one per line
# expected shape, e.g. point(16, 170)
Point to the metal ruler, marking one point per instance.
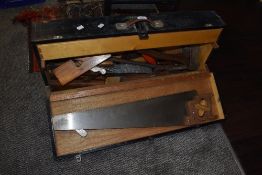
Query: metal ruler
point(156, 112)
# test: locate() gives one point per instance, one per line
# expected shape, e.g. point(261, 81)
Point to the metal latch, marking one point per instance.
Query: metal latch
point(141, 24)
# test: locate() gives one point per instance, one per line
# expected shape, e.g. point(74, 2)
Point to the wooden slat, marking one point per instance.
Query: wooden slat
point(70, 142)
point(205, 51)
point(134, 84)
point(126, 96)
point(217, 101)
point(99, 46)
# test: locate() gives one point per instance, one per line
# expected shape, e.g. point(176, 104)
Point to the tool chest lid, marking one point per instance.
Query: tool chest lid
point(101, 27)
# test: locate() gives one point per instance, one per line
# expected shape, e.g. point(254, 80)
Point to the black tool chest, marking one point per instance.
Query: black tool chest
point(112, 80)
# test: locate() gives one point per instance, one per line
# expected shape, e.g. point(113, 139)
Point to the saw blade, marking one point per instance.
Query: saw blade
point(156, 112)
point(128, 69)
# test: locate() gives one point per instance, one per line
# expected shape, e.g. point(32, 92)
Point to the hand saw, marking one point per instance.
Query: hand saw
point(156, 112)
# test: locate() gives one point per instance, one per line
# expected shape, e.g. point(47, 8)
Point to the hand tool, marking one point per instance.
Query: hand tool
point(188, 57)
point(155, 67)
point(71, 70)
point(128, 69)
point(156, 112)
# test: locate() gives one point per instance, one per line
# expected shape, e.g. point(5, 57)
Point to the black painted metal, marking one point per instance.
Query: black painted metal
point(63, 30)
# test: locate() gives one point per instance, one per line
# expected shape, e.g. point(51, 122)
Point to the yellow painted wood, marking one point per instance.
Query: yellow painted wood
point(99, 46)
point(216, 97)
point(204, 53)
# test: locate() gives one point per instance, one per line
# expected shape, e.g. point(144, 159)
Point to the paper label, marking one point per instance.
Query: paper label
point(80, 27)
point(142, 17)
point(101, 25)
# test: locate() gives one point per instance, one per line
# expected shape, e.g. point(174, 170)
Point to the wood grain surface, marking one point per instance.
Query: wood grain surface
point(68, 142)
point(129, 85)
point(151, 90)
point(100, 46)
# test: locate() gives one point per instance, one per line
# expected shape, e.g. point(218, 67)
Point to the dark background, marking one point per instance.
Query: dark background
point(237, 66)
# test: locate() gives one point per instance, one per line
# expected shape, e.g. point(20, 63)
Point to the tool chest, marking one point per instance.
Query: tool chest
point(112, 80)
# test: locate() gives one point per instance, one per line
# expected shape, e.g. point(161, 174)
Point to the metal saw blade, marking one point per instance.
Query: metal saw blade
point(156, 112)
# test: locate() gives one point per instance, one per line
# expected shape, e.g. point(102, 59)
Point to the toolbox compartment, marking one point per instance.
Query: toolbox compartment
point(192, 32)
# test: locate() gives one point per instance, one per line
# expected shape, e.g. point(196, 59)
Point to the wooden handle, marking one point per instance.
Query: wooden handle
point(71, 70)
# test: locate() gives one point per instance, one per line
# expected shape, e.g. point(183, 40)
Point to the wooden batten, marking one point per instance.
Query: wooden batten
point(100, 46)
point(134, 84)
point(71, 143)
point(126, 95)
point(216, 98)
point(205, 51)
